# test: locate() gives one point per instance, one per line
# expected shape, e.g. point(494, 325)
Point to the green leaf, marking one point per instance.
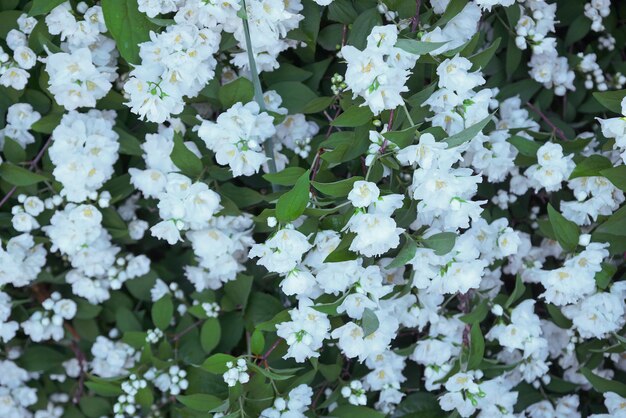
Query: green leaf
point(287, 177)
point(478, 314)
point(19, 176)
point(318, 104)
point(362, 27)
point(104, 388)
point(210, 334)
point(339, 188)
point(240, 90)
point(353, 116)
point(518, 291)
point(38, 358)
point(257, 342)
point(557, 317)
point(200, 401)
point(41, 7)
point(419, 405)
point(352, 411)
point(296, 96)
point(268, 373)
point(477, 347)
point(604, 276)
point(13, 151)
point(525, 146)
point(129, 145)
point(216, 364)
point(94, 407)
point(566, 231)
point(418, 47)
point(184, 159)
point(481, 59)
point(405, 255)
point(162, 312)
point(616, 175)
point(613, 231)
point(47, 124)
point(591, 166)
point(467, 134)
point(369, 322)
point(603, 385)
point(453, 9)
point(442, 242)
point(612, 100)
point(293, 203)
point(128, 26)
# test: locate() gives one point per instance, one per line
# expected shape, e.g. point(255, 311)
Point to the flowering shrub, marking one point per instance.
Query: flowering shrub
point(312, 208)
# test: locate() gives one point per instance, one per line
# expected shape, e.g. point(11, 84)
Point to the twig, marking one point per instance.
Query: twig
point(555, 129)
point(415, 20)
point(181, 334)
point(272, 348)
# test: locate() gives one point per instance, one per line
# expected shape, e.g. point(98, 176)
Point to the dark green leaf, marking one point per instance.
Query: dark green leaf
point(566, 231)
point(240, 90)
point(19, 176)
point(339, 188)
point(442, 242)
point(128, 26)
point(612, 100)
point(41, 7)
point(184, 159)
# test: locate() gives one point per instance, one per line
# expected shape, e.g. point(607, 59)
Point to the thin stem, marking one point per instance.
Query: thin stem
point(555, 129)
point(408, 115)
point(415, 20)
point(258, 91)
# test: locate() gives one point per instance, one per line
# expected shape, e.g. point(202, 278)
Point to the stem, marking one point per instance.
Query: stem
point(408, 115)
point(415, 20)
point(555, 129)
point(258, 91)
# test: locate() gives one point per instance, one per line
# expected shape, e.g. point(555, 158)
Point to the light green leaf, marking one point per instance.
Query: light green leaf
point(210, 334)
point(339, 188)
point(442, 242)
point(566, 231)
point(418, 47)
point(369, 322)
point(467, 134)
point(287, 177)
point(477, 347)
point(353, 116)
point(292, 204)
point(162, 312)
point(184, 159)
point(200, 401)
point(216, 364)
